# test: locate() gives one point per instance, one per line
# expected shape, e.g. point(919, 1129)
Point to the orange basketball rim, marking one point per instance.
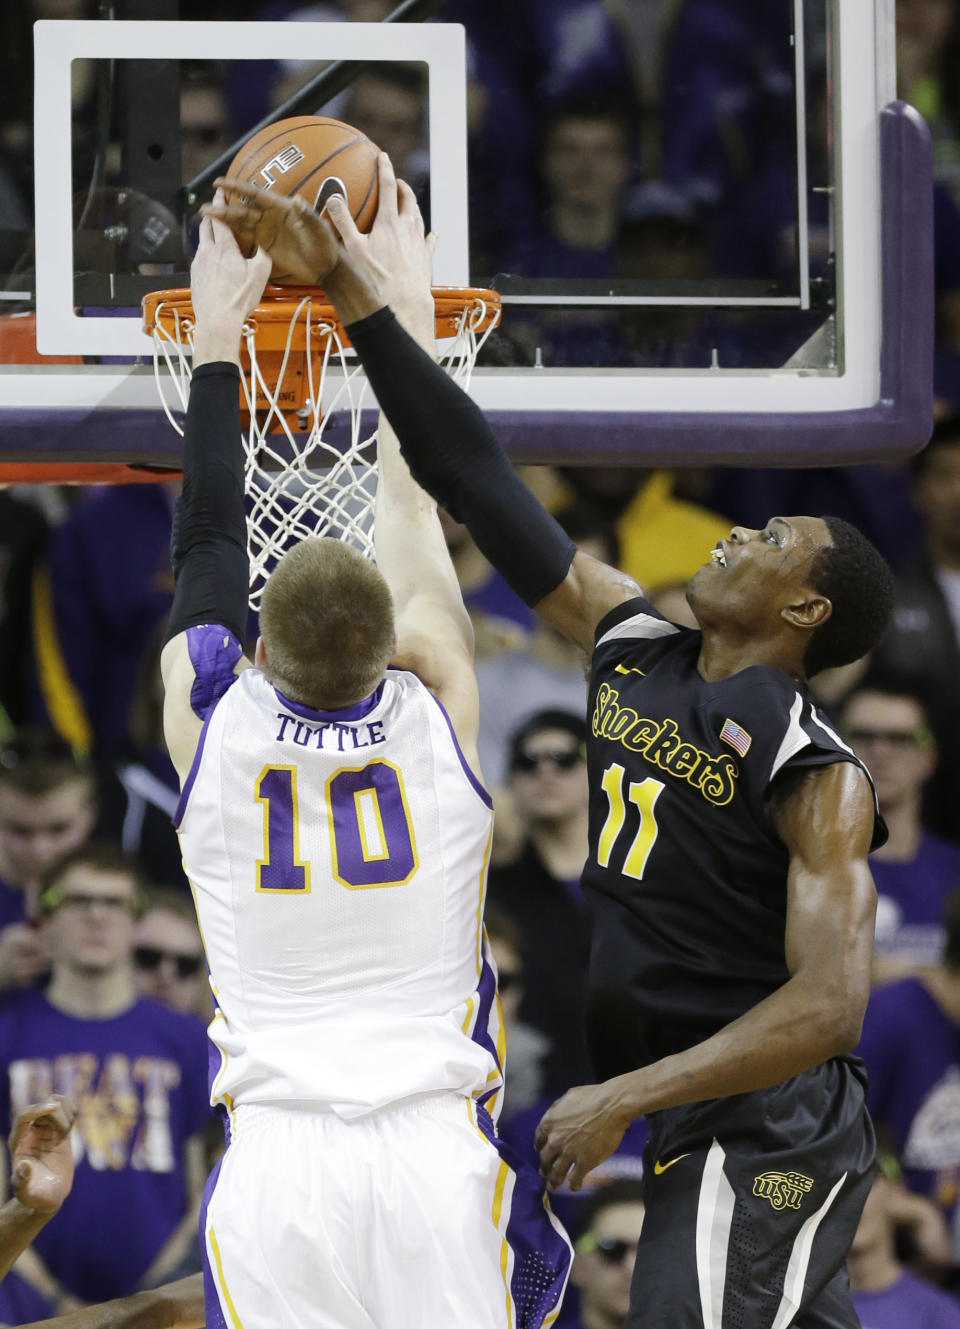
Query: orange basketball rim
point(293, 330)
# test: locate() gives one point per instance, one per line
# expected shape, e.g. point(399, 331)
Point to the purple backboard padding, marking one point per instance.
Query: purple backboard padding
point(898, 424)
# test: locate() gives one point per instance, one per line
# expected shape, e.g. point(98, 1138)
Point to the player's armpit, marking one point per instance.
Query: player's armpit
point(181, 723)
point(588, 592)
point(825, 817)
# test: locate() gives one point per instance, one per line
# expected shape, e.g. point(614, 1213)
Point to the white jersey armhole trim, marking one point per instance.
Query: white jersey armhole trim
point(794, 740)
point(640, 625)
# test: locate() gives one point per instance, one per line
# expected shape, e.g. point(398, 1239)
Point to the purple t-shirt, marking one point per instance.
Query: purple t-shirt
point(12, 905)
point(908, 1304)
point(912, 896)
point(139, 1081)
point(912, 1053)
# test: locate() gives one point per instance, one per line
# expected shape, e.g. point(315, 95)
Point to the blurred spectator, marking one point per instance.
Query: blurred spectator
point(605, 1252)
point(98, 599)
point(544, 671)
point(584, 165)
point(921, 651)
point(205, 128)
point(139, 789)
point(500, 617)
point(885, 1294)
point(138, 1075)
point(911, 1046)
point(168, 954)
point(388, 103)
point(540, 890)
point(728, 103)
point(914, 871)
point(667, 245)
point(663, 539)
point(671, 601)
point(48, 808)
point(928, 46)
point(526, 1046)
point(24, 533)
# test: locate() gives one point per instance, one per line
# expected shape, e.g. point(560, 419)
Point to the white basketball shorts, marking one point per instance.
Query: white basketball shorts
point(412, 1217)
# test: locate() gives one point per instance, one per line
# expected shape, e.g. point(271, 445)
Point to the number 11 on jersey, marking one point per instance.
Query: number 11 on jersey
point(643, 794)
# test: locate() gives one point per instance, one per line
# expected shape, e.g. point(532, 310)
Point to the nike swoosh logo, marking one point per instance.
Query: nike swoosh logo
point(659, 1167)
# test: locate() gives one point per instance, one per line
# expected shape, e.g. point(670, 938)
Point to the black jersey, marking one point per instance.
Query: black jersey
point(686, 877)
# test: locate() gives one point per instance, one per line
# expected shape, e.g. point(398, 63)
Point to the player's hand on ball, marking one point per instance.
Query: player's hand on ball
point(300, 241)
point(41, 1156)
point(224, 286)
point(577, 1133)
point(395, 255)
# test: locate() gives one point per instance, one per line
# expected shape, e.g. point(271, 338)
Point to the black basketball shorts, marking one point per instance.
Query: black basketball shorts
point(752, 1202)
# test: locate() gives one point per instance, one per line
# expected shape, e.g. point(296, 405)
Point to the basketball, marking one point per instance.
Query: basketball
point(314, 157)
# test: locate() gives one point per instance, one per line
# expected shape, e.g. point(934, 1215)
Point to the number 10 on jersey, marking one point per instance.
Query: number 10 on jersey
point(370, 833)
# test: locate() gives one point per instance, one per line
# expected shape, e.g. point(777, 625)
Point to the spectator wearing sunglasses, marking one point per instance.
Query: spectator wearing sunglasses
point(168, 954)
point(137, 1073)
point(48, 807)
point(540, 889)
point(606, 1248)
point(889, 729)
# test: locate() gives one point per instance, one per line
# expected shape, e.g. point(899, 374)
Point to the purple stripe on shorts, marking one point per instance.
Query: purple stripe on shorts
point(215, 1318)
point(355, 712)
point(192, 773)
point(486, 992)
point(478, 787)
point(541, 1255)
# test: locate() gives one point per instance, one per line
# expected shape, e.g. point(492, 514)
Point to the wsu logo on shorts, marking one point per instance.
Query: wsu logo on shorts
point(784, 1190)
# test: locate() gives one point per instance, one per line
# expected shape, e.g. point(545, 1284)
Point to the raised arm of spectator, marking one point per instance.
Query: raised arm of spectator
point(445, 439)
point(41, 1173)
point(209, 544)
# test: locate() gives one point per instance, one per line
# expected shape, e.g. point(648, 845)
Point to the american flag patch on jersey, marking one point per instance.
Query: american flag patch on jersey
point(737, 738)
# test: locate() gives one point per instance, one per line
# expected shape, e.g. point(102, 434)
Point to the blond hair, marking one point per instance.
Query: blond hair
point(326, 619)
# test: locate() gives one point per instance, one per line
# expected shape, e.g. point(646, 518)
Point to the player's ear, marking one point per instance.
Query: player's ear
point(810, 611)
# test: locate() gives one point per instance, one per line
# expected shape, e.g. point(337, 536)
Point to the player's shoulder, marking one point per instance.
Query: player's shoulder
point(635, 626)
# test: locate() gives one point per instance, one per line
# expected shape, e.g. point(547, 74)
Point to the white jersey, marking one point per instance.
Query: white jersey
point(339, 861)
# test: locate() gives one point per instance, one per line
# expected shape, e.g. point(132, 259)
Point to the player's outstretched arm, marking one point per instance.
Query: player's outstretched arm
point(176, 1306)
point(209, 543)
point(825, 818)
point(41, 1169)
point(434, 633)
point(445, 439)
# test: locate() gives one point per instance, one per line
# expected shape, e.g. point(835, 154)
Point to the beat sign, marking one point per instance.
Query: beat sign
point(371, 834)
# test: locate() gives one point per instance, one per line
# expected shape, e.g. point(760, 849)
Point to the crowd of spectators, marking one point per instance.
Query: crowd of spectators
point(618, 140)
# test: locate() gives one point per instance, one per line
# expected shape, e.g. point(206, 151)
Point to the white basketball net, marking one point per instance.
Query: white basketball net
point(323, 480)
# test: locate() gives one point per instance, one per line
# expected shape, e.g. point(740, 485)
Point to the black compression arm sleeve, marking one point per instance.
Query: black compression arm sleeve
point(453, 455)
point(208, 547)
